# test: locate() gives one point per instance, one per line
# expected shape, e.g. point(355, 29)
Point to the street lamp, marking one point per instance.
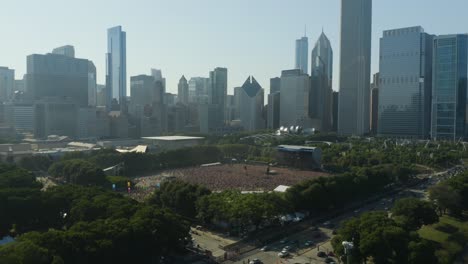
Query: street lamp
point(348, 246)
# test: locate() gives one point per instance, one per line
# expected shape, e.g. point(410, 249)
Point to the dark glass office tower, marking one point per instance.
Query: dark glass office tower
point(449, 105)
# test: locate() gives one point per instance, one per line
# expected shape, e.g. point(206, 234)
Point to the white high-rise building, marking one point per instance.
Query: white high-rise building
point(354, 95)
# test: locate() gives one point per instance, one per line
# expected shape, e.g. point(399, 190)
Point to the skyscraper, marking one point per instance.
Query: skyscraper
point(449, 87)
point(356, 30)
point(275, 85)
point(321, 77)
point(302, 54)
point(92, 84)
point(218, 93)
point(273, 111)
point(66, 50)
point(375, 103)
point(116, 77)
point(157, 75)
point(251, 110)
point(406, 83)
point(294, 99)
point(141, 92)
point(183, 91)
point(7, 83)
point(58, 76)
point(198, 89)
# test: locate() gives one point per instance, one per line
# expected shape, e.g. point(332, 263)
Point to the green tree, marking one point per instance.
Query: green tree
point(446, 198)
point(179, 196)
point(414, 213)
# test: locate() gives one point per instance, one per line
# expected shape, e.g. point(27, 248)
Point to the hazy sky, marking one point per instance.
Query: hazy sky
point(191, 37)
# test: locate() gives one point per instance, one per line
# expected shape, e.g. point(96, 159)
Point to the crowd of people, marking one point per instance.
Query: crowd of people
point(223, 177)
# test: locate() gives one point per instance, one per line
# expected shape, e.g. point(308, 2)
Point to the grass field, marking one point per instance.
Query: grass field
point(450, 236)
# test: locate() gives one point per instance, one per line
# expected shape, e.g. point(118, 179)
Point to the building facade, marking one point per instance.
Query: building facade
point(273, 114)
point(449, 87)
point(218, 93)
point(375, 103)
point(302, 54)
point(116, 70)
point(355, 45)
point(66, 50)
point(183, 91)
point(58, 76)
point(7, 84)
point(321, 78)
point(252, 102)
point(294, 99)
point(405, 83)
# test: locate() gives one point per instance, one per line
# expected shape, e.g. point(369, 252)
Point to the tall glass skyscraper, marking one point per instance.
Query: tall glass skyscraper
point(405, 83)
point(449, 103)
point(354, 101)
point(218, 93)
point(116, 71)
point(321, 77)
point(302, 54)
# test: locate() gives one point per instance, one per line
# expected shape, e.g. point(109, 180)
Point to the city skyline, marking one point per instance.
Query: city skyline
point(172, 51)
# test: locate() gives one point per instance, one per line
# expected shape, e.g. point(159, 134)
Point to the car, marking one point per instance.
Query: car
point(331, 254)
point(287, 248)
point(284, 241)
point(329, 260)
point(283, 254)
point(255, 261)
point(309, 243)
point(321, 254)
point(265, 248)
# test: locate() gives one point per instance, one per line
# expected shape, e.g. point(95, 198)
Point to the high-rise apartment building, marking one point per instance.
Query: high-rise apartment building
point(355, 59)
point(116, 71)
point(302, 54)
point(449, 87)
point(183, 91)
point(58, 76)
point(251, 105)
point(198, 89)
point(294, 99)
point(218, 93)
point(321, 78)
point(405, 83)
point(7, 83)
point(275, 85)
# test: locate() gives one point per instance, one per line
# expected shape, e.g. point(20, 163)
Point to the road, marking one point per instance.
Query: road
point(321, 234)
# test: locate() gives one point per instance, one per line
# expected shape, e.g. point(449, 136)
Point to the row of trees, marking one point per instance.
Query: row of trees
point(451, 195)
point(334, 192)
point(381, 239)
point(78, 224)
point(355, 153)
point(232, 209)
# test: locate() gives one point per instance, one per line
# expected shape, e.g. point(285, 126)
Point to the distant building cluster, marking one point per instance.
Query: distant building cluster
point(419, 92)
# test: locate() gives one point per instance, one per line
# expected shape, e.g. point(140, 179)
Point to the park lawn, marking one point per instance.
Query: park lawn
point(450, 236)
